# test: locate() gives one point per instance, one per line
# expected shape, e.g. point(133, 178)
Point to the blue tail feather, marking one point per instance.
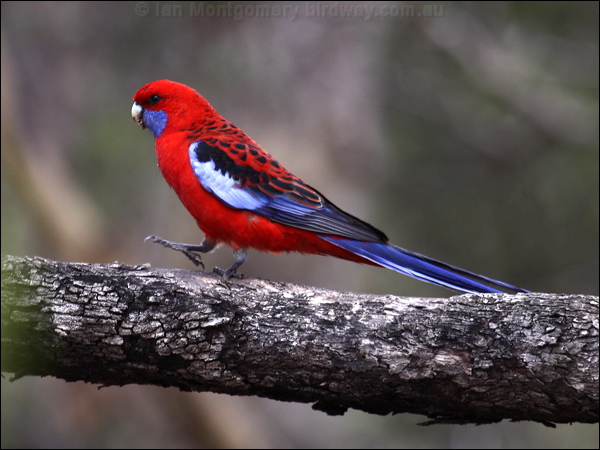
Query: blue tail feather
point(423, 267)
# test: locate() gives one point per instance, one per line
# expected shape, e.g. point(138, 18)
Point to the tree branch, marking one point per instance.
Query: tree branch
point(466, 359)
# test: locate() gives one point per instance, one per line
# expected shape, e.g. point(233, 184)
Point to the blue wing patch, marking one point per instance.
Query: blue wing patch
point(222, 184)
point(284, 199)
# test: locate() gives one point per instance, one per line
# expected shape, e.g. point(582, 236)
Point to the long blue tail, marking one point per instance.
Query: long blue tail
point(422, 267)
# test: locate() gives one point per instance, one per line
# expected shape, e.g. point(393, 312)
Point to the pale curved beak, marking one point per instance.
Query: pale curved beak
point(137, 113)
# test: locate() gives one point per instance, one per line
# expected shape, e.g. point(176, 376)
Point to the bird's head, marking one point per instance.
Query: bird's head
point(167, 105)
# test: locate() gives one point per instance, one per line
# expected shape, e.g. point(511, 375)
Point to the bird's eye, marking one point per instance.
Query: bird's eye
point(154, 99)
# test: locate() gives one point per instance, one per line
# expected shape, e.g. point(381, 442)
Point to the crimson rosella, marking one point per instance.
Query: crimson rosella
point(241, 196)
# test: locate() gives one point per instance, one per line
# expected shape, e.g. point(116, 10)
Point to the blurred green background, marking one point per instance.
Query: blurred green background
point(469, 135)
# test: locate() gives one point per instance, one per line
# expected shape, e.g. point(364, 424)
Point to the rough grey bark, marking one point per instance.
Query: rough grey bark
point(465, 359)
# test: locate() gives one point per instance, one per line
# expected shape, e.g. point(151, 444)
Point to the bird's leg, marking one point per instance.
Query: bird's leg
point(188, 249)
point(240, 257)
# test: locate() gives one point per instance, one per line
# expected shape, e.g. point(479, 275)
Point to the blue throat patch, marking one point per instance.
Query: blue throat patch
point(156, 121)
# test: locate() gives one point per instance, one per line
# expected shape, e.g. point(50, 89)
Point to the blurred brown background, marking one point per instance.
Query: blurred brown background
point(469, 134)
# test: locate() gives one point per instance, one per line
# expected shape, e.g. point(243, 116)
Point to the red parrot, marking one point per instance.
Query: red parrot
point(242, 197)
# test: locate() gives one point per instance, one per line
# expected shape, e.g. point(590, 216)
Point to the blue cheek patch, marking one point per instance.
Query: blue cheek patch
point(156, 121)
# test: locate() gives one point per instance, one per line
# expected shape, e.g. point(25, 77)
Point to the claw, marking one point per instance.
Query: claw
point(226, 274)
point(187, 250)
point(207, 245)
point(240, 257)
